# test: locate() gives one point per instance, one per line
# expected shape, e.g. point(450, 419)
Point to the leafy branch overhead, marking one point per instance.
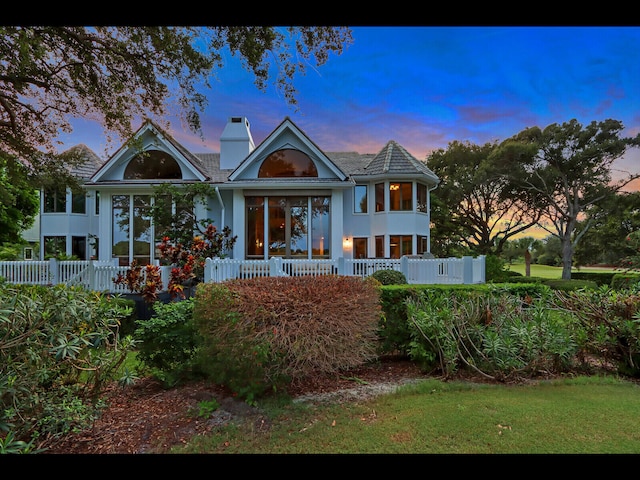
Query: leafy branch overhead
point(50, 75)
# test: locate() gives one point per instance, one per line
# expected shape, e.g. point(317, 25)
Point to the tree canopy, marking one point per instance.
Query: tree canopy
point(117, 75)
point(19, 201)
point(567, 168)
point(480, 207)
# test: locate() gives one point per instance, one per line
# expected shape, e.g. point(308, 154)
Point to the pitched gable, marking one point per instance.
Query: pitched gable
point(287, 136)
point(150, 137)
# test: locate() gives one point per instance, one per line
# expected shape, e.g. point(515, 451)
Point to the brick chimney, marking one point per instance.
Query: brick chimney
point(235, 142)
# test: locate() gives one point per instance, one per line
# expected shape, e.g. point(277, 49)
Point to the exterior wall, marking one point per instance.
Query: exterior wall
point(68, 224)
point(372, 224)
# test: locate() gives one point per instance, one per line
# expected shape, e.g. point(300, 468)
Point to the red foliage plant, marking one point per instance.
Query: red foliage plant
point(187, 263)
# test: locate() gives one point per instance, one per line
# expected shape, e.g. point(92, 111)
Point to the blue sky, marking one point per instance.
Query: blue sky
point(427, 86)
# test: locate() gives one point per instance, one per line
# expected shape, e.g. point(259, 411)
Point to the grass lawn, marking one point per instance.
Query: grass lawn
point(545, 271)
point(565, 416)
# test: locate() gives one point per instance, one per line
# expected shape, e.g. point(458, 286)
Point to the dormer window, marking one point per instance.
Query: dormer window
point(287, 163)
point(152, 164)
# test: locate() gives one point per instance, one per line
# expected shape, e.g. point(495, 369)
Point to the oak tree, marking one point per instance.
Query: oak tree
point(478, 196)
point(567, 168)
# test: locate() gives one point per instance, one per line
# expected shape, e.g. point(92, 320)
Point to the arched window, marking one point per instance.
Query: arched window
point(287, 163)
point(152, 164)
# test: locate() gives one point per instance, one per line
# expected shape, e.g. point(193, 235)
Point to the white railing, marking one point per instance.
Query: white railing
point(99, 276)
point(91, 274)
point(417, 270)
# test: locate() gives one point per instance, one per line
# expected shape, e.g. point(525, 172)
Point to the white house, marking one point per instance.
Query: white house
point(284, 197)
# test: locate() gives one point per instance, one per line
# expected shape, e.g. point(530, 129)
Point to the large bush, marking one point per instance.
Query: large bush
point(260, 334)
point(59, 346)
point(498, 335)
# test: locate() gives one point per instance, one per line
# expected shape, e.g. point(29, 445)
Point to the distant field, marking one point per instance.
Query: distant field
point(546, 271)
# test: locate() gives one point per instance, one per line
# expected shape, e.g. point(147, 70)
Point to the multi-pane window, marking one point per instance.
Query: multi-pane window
point(55, 201)
point(379, 187)
point(421, 191)
point(131, 231)
point(400, 245)
point(400, 196)
point(296, 227)
point(360, 199)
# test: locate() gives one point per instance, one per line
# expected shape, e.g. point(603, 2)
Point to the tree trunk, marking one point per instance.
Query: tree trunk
point(567, 257)
point(527, 263)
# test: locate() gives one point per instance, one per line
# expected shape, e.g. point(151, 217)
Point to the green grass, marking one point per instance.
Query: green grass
point(545, 271)
point(579, 415)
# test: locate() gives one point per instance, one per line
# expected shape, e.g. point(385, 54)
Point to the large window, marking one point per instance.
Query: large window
point(400, 196)
point(287, 163)
point(55, 201)
point(297, 227)
point(152, 164)
point(132, 232)
point(360, 199)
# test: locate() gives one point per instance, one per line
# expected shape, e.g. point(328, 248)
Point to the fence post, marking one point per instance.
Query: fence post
point(341, 268)
point(275, 266)
point(467, 270)
point(207, 269)
point(404, 266)
point(53, 271)
point(92, 276)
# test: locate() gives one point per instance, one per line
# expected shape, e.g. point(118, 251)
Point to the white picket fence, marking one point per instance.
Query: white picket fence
point(91, 274)
point(99, 276)
point(417, 270)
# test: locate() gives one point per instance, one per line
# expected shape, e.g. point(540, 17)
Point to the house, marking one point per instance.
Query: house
point(285, 197)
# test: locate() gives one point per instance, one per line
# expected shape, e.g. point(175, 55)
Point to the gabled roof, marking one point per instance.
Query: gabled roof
point(149, 126)
point(287, 124)
point(392, 160)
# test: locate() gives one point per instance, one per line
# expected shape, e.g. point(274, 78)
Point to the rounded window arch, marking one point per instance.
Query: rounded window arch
point(287, 162)
point(152, 164)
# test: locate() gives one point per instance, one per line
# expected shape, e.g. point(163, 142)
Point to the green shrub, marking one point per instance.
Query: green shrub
point(523, 279)
point(610, 319)
point(625, 281)
point(495, 269)
point(59, 346)
point(498, 336)
point(168, 341)
point(601, 278)
point(390, 277)
point(569, 285)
